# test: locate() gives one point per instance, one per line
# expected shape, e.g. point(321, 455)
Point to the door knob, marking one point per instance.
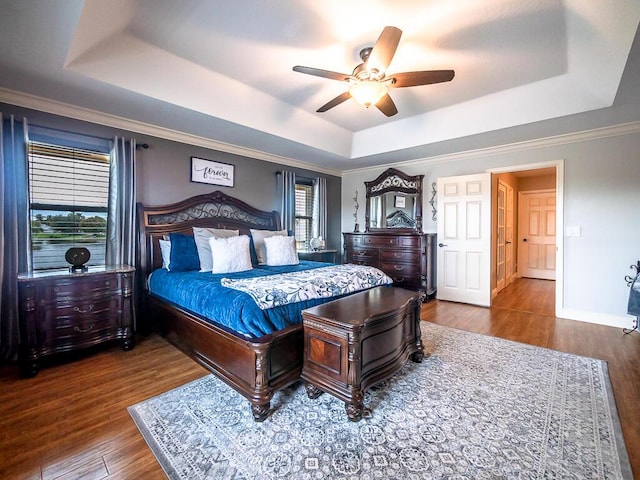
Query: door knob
point(443, 245)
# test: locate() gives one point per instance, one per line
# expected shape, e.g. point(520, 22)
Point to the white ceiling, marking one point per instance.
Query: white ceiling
point(222, 70)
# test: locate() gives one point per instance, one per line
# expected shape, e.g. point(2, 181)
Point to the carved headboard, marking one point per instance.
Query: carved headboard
point(213, 210)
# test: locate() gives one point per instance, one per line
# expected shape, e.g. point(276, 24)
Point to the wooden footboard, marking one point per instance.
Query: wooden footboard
point(256, 368)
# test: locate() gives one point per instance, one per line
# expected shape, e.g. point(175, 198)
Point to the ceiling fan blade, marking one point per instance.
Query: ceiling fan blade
point(412, 79)
point(386, 106)
point(322, 73)
point(335, 102)
point(384, 49)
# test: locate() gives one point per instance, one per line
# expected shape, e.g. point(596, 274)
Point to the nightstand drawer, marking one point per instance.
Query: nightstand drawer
point(79, 287)
point(66, 313)
point(80, 332)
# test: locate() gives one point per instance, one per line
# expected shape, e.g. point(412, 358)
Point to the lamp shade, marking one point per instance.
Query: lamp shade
point(368, 93)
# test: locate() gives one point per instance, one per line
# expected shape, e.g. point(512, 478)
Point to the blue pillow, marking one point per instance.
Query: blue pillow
point(252, 253)
point(184, 253)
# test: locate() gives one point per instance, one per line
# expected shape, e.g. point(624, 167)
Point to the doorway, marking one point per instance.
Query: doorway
point(459, 278)
point(536, 229)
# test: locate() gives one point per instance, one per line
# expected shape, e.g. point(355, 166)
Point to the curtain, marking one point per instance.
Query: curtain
point(320, 208)
point(288, 198)
point(121, 224)
point(14, 233)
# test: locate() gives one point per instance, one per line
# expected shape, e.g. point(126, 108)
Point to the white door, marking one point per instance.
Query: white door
point(504, 236)
point(501, 228)
point(509, 245)
point(464, 239)
point(537, 235)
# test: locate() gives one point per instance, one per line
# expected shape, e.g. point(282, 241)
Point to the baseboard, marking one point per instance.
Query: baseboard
point(618, 321)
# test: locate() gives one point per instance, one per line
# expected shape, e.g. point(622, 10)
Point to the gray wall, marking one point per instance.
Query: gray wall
point(163, 170)
point(601, 196)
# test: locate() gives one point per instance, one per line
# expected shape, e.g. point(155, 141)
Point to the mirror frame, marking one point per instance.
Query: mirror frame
point(392, 180)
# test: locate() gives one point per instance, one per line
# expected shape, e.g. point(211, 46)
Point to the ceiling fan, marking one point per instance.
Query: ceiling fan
point(369, 84)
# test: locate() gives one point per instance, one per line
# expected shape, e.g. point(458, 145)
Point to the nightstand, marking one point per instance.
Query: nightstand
point(62, 311)
point(327, 256)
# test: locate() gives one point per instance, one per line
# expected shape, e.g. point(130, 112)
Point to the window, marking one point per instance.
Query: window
point(68, 201)
point(304, 213)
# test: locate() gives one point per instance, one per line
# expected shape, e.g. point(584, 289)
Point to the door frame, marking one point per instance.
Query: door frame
point(559, 166)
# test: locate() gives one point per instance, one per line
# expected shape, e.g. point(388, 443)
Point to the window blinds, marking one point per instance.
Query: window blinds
point(68, 195)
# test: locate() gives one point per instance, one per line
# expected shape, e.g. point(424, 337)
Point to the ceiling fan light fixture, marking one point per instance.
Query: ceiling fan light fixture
point(368, 93)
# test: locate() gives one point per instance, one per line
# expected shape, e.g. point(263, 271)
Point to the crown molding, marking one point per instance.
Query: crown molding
point(583, 136)
point(42, 104)
point(80, 113)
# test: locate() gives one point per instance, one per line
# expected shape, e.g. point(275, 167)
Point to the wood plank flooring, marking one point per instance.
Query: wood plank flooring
point(71, 420)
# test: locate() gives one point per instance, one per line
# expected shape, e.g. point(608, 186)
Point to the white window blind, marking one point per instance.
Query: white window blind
point(304, 215)
point(68, 196)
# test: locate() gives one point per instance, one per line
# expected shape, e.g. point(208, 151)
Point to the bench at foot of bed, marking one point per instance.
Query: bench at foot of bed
point(357, 341)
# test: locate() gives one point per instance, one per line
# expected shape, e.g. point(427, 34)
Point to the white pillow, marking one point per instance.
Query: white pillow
point(281, 251)
point(230, 254)
point(258, 242)
point(202, 236)
point(165, 250)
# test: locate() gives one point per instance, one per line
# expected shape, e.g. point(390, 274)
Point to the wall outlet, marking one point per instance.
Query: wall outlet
point(573, 231)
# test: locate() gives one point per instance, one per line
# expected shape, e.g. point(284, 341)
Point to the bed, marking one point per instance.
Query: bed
point(255, 364)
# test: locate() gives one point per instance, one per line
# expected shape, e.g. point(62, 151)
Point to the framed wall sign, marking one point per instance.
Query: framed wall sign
point(213, 173)
point(399, 203)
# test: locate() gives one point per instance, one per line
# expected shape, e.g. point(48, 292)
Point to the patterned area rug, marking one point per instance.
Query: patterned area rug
point(476, 408)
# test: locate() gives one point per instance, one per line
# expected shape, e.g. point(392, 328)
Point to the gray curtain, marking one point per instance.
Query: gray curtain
point(288, 198)
point(121, 226)
point(320, 208)
point(14, 233)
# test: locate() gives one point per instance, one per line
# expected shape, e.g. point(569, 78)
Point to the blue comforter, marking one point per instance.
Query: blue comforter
point(203, 294)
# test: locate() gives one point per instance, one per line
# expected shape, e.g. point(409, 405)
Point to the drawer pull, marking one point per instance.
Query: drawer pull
point(84, 330)
point(80, 310)
point(398, 267)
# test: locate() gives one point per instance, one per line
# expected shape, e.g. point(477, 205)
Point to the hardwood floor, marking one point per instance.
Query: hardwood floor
point(71, 420)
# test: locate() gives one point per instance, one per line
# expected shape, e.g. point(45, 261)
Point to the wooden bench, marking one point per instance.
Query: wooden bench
point(352, 343)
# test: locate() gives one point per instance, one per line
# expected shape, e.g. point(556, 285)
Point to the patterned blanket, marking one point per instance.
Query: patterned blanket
point(335, 280)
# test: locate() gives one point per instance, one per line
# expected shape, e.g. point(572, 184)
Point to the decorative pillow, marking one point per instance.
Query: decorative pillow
point(281, 251)
point(202, 236)
point(165, 250)
point(230, 254)
point(184, 254)
point(258, 242)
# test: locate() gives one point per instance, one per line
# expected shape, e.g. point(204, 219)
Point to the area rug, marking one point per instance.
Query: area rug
point(477, 407)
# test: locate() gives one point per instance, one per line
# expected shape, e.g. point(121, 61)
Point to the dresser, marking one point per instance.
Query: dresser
point(63, 312)
point(408, 258)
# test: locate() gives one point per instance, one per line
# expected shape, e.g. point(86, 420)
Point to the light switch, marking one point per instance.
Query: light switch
point(573, 231)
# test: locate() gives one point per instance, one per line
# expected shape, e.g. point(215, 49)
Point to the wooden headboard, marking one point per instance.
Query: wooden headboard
point(213, 210)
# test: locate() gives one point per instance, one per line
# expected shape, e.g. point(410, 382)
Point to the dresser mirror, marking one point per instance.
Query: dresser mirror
point(394, 202)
